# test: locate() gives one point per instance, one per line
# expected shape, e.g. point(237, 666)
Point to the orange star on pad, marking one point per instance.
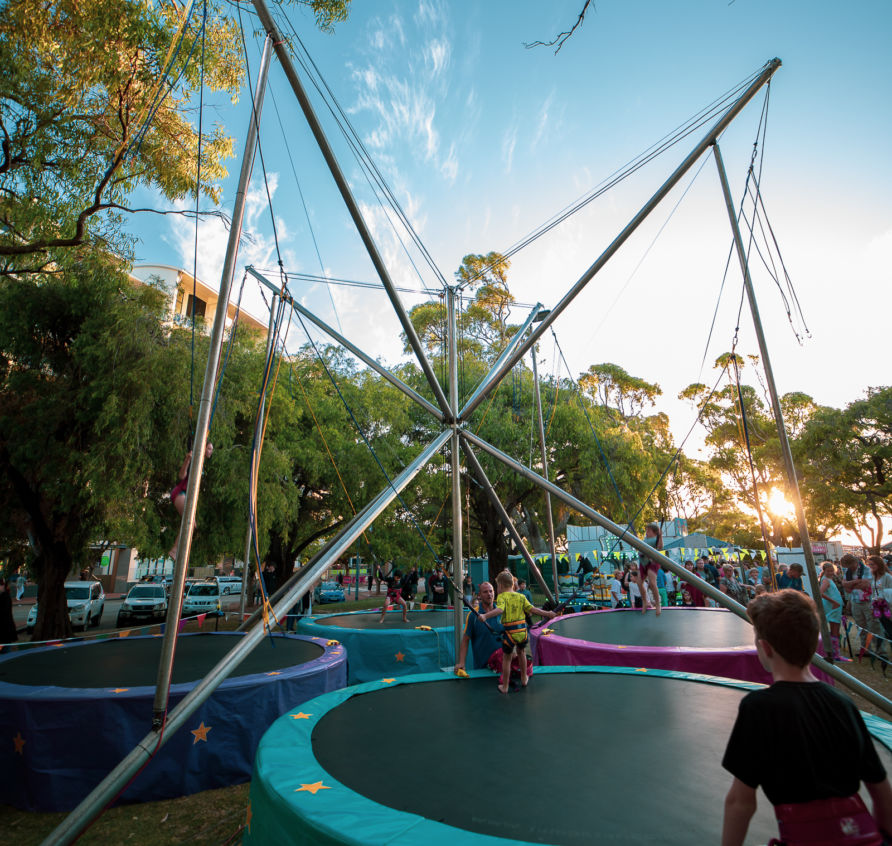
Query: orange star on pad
point(120, 690)
point(274, 673)
point(201, 733)
point(388, 681)
point(399, 656)
point(301, 716)
point(19, 742)
point(312, 788)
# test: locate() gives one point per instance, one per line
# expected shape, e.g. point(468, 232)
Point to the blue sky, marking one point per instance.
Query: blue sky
point(482, 140)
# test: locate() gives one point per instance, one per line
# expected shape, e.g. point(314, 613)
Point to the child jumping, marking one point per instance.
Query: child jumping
point(395, 595)
point(803, 742)
point(513, 608)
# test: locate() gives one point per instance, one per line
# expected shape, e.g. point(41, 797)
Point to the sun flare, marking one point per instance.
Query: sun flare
point(779, 505)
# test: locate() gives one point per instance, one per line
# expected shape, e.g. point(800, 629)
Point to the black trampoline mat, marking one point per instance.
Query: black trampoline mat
point(394, 619)
point(133, 662)
point(674, 627)
point(576, 758)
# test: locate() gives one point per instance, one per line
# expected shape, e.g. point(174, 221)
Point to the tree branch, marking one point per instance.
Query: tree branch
point(561, 38)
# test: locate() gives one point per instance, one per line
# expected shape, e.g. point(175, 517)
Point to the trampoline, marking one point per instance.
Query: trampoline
point(692, 640)
point(391, 648)
point(578, 758)
point(70, 712)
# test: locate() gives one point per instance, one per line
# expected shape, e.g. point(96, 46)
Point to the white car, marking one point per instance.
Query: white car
point(146, 601)
point(203, 598)
point(230, 584)
point(85, 603)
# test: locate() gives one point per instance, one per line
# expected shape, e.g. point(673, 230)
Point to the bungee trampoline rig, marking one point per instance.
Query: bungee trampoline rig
point(460, 702)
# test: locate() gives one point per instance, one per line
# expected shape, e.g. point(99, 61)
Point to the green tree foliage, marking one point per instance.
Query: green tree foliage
point(846, 460)
point(94, 104)
point(610, 385)
point(729, 482)
point(82, 401)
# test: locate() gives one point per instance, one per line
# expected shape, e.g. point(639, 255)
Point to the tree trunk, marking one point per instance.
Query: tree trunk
point(491, 531)
point(53, 565)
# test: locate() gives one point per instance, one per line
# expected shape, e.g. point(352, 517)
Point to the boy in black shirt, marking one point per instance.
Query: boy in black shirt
point(806, 744)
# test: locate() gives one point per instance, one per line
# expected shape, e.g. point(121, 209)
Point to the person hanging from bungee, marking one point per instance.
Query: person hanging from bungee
point(178, 493)
point(648, 569)
point(394, 584)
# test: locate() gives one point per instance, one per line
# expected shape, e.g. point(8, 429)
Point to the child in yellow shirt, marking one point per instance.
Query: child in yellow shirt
point(513, 608)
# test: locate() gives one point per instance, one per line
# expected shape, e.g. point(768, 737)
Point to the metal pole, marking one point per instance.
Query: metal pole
point(548, 514)
point(91, 806)
point(365, 358)
point(281, 47)
point(775, 404)
point(509, 348)
point(722, 599)
point(454, 447)
point(477, 467)
point(187, 524)
point(258, 430)
point(648, 207)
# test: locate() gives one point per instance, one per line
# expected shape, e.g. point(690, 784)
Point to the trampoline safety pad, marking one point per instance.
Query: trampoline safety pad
point(583, 755)
point(73, 712)
point(393, 648)
point(711, 641)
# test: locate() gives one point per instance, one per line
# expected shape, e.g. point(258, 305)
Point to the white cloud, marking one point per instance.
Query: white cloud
point(509, 142)
point(256, 247)
point(543, 121)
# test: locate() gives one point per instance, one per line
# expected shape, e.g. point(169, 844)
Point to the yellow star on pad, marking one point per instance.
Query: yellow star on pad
point(333, 643)
point(312, 788)
point(640, 669)
point(274, 673)
point(388, 681)
point(201, 733)
point(301, 716)
point(399, 656)
point(19, 742)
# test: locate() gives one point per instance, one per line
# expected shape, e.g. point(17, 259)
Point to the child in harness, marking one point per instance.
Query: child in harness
point(802, 741)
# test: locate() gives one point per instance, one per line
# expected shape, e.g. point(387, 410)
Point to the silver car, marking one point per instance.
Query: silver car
point(86, 600)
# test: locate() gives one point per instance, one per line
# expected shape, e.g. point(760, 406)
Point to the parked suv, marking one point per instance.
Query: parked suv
point(145, 601)
point(203, 598)
point(85, 603)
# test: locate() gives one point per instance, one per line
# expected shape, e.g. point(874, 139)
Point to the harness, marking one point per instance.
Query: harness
point(508, 641)
point(827, 822)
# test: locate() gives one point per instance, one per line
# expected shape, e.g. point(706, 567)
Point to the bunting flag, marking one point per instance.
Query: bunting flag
point(180, 626)
point(200, 619)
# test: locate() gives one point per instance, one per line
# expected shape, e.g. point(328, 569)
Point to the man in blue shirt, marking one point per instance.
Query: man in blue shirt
point(792, 578)
point(484, 638)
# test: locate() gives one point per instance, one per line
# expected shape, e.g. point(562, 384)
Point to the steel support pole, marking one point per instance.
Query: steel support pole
point(364, 357)
point(280, 45)
point(509, 348)
point(91, 806)
point(477, 467)
point(654, 555)
point(455, 454)
point(544, 453)
point(636, 221)
point(258, 430)
point(792, 482)
point(187, 524)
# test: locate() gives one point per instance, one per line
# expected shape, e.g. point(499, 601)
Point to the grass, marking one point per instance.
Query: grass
point(211, 817)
